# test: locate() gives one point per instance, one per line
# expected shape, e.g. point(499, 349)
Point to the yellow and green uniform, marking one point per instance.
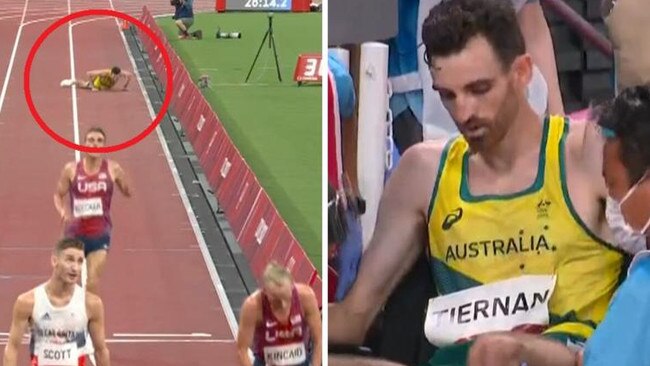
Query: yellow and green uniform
point(480, 240)
point(103, 81)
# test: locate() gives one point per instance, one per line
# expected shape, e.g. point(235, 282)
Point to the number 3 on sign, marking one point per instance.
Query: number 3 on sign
point(308, 68)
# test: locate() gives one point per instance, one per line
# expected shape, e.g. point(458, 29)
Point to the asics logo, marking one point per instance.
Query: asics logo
point(452, 218)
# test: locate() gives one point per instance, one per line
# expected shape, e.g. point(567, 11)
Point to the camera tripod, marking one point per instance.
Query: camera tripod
point(269, 35)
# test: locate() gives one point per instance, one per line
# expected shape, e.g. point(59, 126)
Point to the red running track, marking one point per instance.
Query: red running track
point(158, 287)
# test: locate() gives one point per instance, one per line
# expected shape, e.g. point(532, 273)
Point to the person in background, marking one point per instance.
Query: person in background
point(184, 19)
point(621, 339)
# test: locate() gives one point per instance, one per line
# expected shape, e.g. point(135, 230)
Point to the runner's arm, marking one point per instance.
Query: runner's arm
point(21, 314)
point(96, 328)
point(62, 187)
point(247, 320)
point(313, 317)
point(539, 42)
point(121, 180)
point(128, 75)
point(398, 239)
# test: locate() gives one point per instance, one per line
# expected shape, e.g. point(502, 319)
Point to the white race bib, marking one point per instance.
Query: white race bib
point(290, 354)
point(58, 355)
point(88, 207)
point(498, 306)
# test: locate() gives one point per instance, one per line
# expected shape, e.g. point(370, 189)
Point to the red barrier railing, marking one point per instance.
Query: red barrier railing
point(260, 230)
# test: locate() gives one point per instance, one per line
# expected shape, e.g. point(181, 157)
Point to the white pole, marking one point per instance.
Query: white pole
point(371, 140)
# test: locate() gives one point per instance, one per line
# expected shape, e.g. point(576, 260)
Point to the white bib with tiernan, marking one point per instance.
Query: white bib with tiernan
point(88, 207)
point(285, 355)
point(58, 355)
point(498, 306)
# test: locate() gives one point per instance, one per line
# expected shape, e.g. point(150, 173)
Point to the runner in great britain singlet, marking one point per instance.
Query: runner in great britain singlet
point(90, 200)
point(282, 344)
point(58, 334)
point(520, 261)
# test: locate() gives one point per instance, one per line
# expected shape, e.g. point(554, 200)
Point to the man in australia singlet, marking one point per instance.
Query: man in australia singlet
point(511, 213)
point(90, 183)
point(59, 313)
point(98, 80)
point(280, 321)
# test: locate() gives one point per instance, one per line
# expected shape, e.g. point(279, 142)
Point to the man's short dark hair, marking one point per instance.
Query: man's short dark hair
point(627, 118)
point(116, 70)
point(67, 243)
point(96, 129)
point(452, 24)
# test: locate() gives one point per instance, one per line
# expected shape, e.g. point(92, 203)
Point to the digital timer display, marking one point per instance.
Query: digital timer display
point(259, 5)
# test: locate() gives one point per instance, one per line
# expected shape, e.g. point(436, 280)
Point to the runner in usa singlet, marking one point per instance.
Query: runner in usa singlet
point(282, 343)
point(58, 334)
point(90, 200)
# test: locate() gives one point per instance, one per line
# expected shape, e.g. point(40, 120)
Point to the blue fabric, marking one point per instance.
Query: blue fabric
point(185, 10)
point(93, 244)
point(349, 256)
point(403, 48)
point(400, 101)
point(622, 338)
point(344, 85)
point(402, 57)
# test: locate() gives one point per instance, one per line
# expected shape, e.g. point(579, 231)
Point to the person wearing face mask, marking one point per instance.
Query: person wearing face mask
point(621, 339)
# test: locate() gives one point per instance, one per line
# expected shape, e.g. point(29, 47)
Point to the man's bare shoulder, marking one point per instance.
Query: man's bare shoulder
point(251, 308)
point(305, 292)
point(113, 165)
point(583, 131)
point(94, 303)
point(425, 154)
point(70, 167)
point(25, 302)
point(252, 302)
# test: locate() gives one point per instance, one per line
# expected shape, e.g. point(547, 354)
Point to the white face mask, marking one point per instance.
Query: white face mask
point(626, 237)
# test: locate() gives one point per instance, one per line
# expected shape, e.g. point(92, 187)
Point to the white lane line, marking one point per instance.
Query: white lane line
point(5, 85)
point(163, 335)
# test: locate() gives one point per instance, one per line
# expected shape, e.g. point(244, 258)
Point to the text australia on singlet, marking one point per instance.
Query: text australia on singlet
point(498, 306)
point(286, 354)
point(492, 247)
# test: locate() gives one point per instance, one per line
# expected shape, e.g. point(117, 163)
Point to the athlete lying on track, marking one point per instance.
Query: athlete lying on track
point(101, 80)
